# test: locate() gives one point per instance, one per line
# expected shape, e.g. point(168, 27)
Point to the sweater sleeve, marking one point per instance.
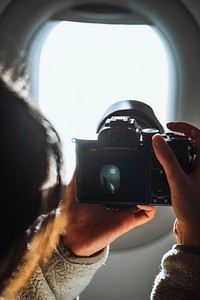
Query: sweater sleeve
point(179, 277)
point(67, 276)
point(62, 276)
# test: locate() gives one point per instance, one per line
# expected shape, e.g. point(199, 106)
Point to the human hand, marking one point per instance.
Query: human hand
point(91, 227)
point(185, 189)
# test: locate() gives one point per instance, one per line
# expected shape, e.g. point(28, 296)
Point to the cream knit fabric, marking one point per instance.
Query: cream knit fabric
point(62, 276)
point(179, 277)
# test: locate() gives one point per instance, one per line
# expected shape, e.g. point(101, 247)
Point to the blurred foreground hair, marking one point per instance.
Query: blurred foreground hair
point(30, 222)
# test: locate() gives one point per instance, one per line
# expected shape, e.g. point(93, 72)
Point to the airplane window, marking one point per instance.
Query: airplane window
point(84, 68)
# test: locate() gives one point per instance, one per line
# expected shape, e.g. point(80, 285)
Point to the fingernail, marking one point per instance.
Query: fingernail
point(159, 141)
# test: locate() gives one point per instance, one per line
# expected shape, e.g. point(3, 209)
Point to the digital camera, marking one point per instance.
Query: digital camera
point(120, 169)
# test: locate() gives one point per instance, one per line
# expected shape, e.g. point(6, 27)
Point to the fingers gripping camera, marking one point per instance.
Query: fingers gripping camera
point(120, 169)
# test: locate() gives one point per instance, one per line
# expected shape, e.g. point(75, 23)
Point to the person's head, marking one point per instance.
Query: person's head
point(29, 148)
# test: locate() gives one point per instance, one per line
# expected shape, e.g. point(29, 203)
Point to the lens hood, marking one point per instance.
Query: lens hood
point(141, 112)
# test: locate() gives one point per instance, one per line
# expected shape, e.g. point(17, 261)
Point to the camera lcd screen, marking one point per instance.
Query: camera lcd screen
point(115, 180)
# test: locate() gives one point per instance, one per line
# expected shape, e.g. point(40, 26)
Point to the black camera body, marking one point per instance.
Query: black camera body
point(120, 169)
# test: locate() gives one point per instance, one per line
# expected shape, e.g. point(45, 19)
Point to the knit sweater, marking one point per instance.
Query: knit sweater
point(62, 277)
point(179, 277)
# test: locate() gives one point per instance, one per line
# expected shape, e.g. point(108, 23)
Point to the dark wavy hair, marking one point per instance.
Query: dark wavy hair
point(29, 149)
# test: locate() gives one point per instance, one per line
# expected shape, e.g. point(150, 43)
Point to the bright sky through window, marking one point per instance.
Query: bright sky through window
point(85, 68)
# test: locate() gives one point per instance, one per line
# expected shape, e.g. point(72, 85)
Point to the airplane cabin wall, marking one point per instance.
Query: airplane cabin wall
point(178, 24)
